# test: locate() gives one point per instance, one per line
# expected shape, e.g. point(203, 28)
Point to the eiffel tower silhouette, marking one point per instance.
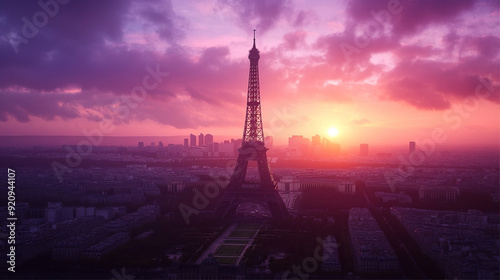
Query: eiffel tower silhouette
point(240, 190)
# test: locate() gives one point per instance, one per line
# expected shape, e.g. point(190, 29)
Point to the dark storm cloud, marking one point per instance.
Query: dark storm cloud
point(82, 47)
point(433, 85)
point(23, 105)
point(163, 19)
point(417, 78)
point(413, 15)
point(266, 13)
point(75, 48)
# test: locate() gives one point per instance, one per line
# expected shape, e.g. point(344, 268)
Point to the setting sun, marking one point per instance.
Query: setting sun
point(333, 131)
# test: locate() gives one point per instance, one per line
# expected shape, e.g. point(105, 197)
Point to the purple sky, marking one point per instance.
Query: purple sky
point(380, 71)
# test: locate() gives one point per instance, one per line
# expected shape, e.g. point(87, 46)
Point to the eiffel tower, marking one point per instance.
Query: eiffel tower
point(240, 190)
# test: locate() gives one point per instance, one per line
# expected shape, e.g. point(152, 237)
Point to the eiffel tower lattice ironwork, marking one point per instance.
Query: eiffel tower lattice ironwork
point(240, 190)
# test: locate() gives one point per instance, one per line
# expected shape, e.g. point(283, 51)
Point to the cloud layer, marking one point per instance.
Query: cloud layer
point(89, 54)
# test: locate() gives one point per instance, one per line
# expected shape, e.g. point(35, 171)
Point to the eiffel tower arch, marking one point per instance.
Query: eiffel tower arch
point(240, 189)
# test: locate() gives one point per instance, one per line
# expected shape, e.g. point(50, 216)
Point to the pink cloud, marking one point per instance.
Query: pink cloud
point(409, 17)
point(429, 84)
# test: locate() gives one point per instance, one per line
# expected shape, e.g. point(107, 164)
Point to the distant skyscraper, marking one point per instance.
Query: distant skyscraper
point(363, 149)
point(210, 147)
point(316, 147)
point(140, 144)
point(331, 148)
point(209, 138)
point(192, 139)
point(236, 144)
point(201, 139)
point(160, 144)
point(412, 146)
point(226, 149)
point(186, 143)
point(316, 140)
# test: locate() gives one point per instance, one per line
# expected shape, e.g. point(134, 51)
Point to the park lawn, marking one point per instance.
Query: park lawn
point(242, 234)
point(248, 227)
point(229, 250)
point(227, 260)
point(235, 241)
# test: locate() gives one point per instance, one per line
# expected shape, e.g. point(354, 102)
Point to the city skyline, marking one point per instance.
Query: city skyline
point(411, 78)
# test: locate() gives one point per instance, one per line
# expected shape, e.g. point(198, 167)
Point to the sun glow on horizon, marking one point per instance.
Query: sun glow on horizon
point(333, 131)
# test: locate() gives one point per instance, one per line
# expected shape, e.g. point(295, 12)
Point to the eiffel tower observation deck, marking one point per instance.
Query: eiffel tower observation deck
point(240, 189)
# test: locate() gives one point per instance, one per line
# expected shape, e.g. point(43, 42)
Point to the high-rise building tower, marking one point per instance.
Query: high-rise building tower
point(240, 190)
point(316, 146)
point(209, 138)
point(316, 140)
point(201, 139)
point(192, 140)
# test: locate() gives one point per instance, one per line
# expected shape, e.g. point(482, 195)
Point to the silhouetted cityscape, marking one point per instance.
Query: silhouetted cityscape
point(143, 208)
